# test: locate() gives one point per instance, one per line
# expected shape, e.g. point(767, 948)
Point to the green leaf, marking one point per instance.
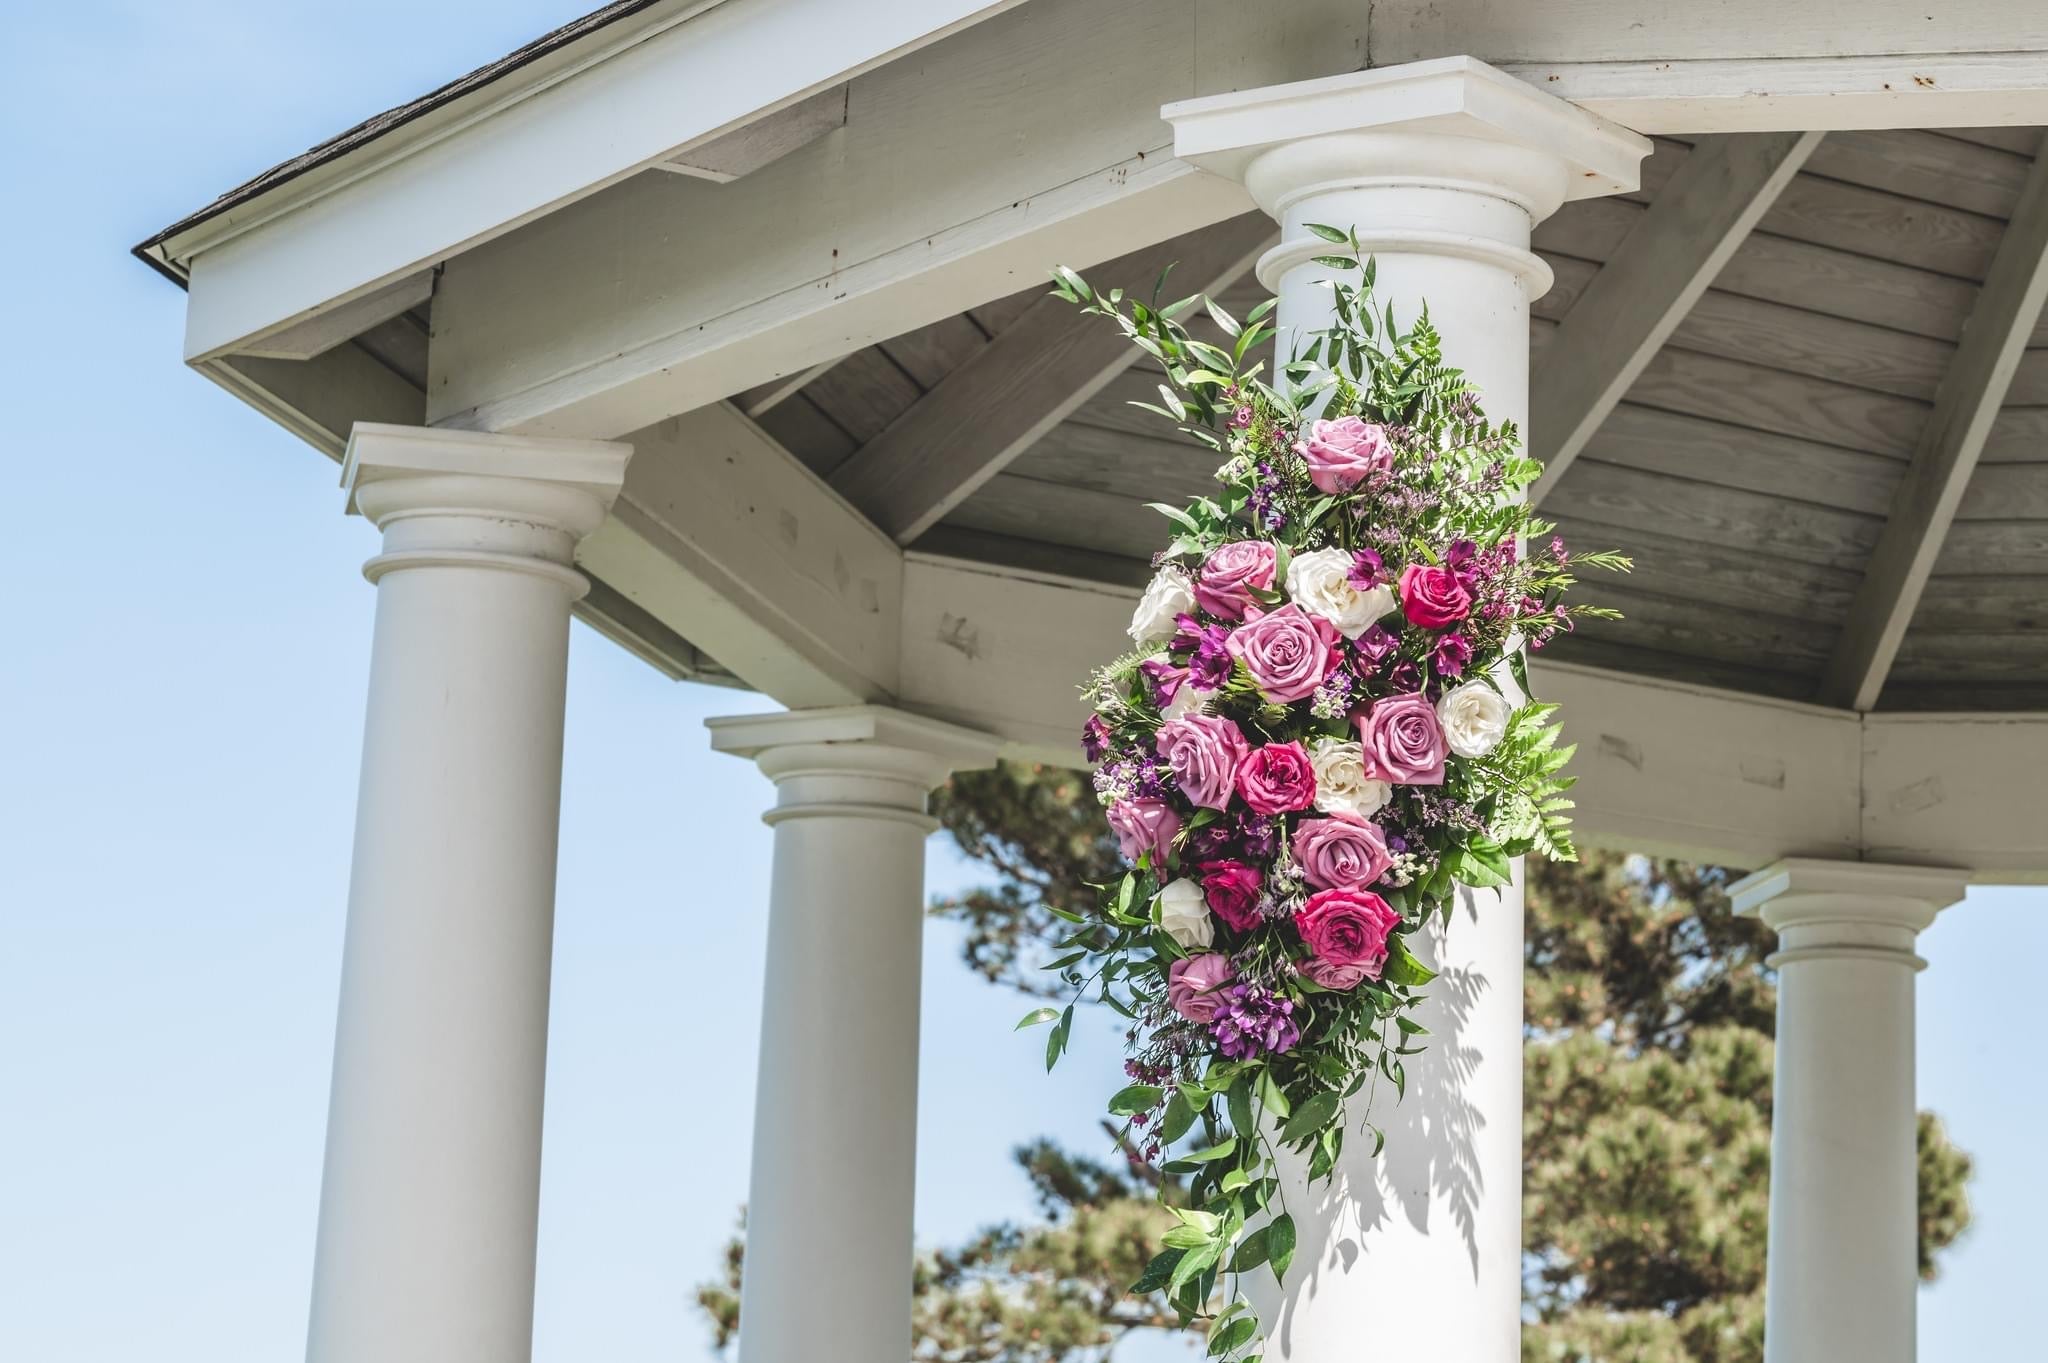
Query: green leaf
point(1336, 262)
point(1135, 1098)
point(1232, 1336)
point(1223, 1149)
point(1323, 230)
point(1239, 1103)
point(1186, 1237)
point(1063, 962)
point(1056, 1042)
point(1251, 1251)
point(1036, 1016)
point(1312, 1116)
point(1402, 967)
point(1180, 1115)
point(1280, 1245)
point(1410, 1026)
point(1158, 1273)
point(1270, 1096)
point(1195, 1261)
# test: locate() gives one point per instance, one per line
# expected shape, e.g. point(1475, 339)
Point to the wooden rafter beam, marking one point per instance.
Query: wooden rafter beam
point(1650, 283)
point(1027, 380)
point(1965, 407)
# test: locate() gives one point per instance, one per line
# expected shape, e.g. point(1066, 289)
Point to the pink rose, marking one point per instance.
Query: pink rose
point(1403, 741)
point(1433, 597)
point(1143, 826)
point(1232, 889)
point(1204, 752)
point(1194, 985)
point(1342, 852)
point(1277, 778)
point(1348, 928)
point(1340, 453)
point(1230, 574)
point(1288, 652)
point(1328, 975)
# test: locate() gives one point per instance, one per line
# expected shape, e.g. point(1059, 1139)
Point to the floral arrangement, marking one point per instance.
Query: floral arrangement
point(1320, 733)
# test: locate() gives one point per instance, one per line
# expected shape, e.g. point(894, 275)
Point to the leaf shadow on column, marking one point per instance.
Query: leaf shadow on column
point(1429, 1166)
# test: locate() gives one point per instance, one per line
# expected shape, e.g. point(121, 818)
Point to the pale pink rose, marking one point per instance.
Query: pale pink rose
point(1204, 752)
point(1143, 826)
point(1230, 574)
point(1288, 652)
point(1403, 741)
point(1194, 985)
point(1340, 453)
point(1330, 975)
point(1342, 852)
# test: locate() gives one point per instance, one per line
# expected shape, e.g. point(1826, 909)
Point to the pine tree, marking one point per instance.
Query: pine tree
point(1646, 1125)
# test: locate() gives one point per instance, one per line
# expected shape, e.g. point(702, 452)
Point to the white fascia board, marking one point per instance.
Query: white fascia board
point(680, 77)
point(1964, 790)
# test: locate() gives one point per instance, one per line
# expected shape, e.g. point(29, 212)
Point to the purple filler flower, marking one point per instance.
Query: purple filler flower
point(1368, 570)
point(1252, 1021)
point(1094, 739)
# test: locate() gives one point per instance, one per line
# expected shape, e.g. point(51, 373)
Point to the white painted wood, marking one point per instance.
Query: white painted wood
point(1992, 347)
point(774, 393)
point(1033, 376)
point(828, 1271)
point(318, 400)
point(726, 539)
point(1649, 285)
point(1958, 790)
point(430, 1200)
point(745, 150)
point(1775, 92)
point(1843, 1265)
point(633, 94)
point(323, 331)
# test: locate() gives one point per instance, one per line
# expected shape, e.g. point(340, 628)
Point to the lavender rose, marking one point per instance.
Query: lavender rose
point(1348, 928)
point(1204, 753)
point(1341, 852)
point(1287, 652)
point(1279, 777)
point(1143, 826)
point(1194, 986)
point(1403, 741)
point(1330, 975)
point(1433, 597)
point(1340, 453)
point(1224, 587)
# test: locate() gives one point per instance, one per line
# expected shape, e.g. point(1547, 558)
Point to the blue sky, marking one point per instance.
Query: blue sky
point(186, 648)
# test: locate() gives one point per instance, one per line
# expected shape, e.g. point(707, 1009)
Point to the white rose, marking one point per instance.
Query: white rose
point(1184, 914)
point(1186, 701)
point(1342, 787)
point(1474, 718)
point(1168, 595)
point(1320, 583)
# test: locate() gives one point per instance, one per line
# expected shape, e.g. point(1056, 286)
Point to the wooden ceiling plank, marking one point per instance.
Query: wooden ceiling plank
point(1993, 344)
point(1042, 367)
point(1647, 286)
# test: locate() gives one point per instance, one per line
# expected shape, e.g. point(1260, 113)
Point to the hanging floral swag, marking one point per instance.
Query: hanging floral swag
point(1315, 741)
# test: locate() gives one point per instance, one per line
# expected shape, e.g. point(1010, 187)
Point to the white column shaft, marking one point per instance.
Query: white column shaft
point(833, 1184)
point(430, 1197)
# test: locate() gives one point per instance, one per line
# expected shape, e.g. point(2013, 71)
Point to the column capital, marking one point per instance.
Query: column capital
point(852, 757)
point(476, 499)
point(1821, 908)
point(1449, 123)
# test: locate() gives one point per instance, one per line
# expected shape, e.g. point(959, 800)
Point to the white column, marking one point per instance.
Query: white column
point(1443, 167)
point(1842, 1272)
point(429, 1201)
point(835, 1114)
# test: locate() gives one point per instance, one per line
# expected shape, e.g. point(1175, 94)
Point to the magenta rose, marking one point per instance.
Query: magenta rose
point(1204, 753)
point(1277, 778)
point(1342, 852)
point(1433, 597)
point(1348, 928)
point(1288, 652)
point(1232, 889)
point(1340, 453)
point(1143, 826)
point(1228, 577)
point(1328, 975)
point(1403, 741)
point(1194, 985)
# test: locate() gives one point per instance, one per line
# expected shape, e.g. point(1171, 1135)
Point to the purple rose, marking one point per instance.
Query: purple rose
point(1204, 752)
point(1433, 597)
point(1340, 453)
point(1230, 575)
point(1342, 852)
point(1194, 986)
point(1279, 777)
point(1403, 741)
point(1287, 652)
point(1143, 826)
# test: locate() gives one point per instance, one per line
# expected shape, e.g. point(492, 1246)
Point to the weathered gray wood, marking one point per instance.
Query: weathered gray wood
point(980, 546)
point(1742, 577)
point(1608, 655)
point(1995, 549)
point(1041, 368)
point(1951, 696)
point(764, 398)
point(1925, 504)
point(1053, 513)
point(818, 444)
point(2013, 139)
point(2006, 492)
point(930, 353)
point(1161, 467)
point(1705, 629)
point(863, 393)
point(2019, 436)
point(1981, 604)
point(1758, 461)
point(1926, 166)
point(1689, 510)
